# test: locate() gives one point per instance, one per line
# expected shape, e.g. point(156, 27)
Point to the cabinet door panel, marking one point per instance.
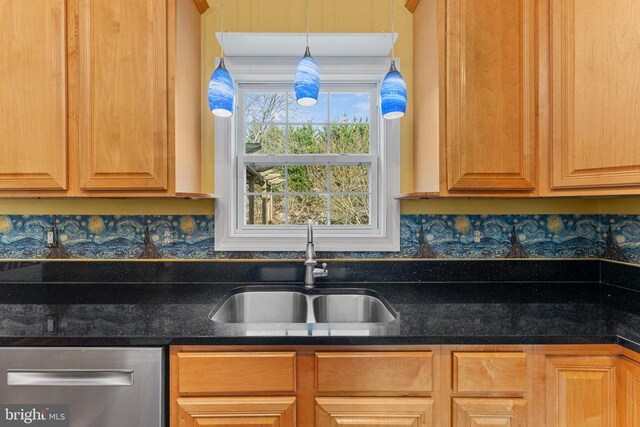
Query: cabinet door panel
point(374, 411)
point(581, 391)
point(595, 85)
point(489, 412)
point(490, 95)
point(33, 98)
point(123, 94)
point(628, 403)
point(384, 373)
point(237, 411)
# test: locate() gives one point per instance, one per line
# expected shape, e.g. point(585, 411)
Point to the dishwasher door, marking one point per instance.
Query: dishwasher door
point(82, 387)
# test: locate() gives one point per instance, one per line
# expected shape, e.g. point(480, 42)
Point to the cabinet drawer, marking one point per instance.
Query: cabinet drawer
point(383, 373)
point(489, 372)
point(236, 373)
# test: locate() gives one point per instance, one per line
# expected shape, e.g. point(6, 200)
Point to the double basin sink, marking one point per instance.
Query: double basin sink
point(282, 310)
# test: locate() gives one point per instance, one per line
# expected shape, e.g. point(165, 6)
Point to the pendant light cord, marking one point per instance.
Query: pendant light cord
point(306, 18)
point(222, 32)
point(393, 30)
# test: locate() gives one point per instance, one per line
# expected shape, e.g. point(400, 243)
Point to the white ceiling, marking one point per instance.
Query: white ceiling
point(320, 44)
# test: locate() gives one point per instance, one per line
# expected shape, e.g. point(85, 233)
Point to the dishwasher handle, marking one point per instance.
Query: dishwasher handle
point(69, 377)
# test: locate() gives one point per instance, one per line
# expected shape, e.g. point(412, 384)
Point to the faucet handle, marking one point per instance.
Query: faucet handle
point(309, 231)
point(321, 272)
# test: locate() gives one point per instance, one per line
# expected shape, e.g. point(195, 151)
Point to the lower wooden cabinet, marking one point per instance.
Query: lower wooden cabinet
point(237, 411)
point(374, 411)
point(416, 386)
point(628, 401)
point(489, 412)
point(581, 391)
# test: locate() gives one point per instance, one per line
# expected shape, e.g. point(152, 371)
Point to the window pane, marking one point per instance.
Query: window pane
point(264, 179)
point(264, 209)
point(350, 107)
point(265, 139)
point(307, 139)
point(350, 210)
point(352, 139)
point(265, 107)
point(319, 113)
point(349, 178)
point(307, 179)
point(302, 208)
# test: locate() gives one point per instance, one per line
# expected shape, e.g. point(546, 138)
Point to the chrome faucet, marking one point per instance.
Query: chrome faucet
point(311, 272)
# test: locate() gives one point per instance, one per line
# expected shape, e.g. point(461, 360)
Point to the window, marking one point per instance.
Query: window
point(335, 163)
point(299, 163)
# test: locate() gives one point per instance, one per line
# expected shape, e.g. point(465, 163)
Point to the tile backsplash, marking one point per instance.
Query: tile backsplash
point(422, 236)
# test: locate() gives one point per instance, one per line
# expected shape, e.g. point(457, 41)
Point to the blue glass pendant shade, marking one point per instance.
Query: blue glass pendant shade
point(307, 81)
point(221, 91)
point(393, 94)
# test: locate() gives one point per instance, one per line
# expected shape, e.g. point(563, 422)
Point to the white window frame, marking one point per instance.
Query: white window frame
point(384, 232)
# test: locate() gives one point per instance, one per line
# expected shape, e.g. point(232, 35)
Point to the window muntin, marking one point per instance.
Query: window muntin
point(297, 163)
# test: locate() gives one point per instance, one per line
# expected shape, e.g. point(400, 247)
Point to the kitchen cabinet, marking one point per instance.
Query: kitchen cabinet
point(628, 389)
point(237, 411)
point(269, 386)
point(594, 79)
point(33, 99)
point(489, 143)
point(530, 98)
point(418, 386)
point(122, 96)
point(581, 391)
point(374, 411)
point(120, 113)
point(489, 412)
point(483, 97)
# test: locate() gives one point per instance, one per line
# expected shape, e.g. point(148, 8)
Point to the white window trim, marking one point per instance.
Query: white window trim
point(231, 236)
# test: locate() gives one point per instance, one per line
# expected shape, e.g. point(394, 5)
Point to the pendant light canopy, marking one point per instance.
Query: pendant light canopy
point(222, 91)
point(393, 94)
point(307, 81)
point(393, 91)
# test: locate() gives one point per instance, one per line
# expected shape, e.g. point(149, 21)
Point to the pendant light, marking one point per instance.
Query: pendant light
point(221, 88)
point(307, 81)
point(393, 92)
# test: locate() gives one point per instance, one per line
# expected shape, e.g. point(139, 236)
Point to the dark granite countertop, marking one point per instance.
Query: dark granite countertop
point(515, 302)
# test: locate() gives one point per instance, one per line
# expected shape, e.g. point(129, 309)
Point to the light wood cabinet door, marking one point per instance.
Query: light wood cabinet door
point(489, 412)
point(33, 97)
point(237, 411)
point(374, 411)
point(581, 391)
point(595, 82)
point(628, 410)
point(122, 50)
point(490, 138)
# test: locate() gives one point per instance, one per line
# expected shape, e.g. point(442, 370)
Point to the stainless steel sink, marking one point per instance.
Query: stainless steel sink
point(285, 310)
point(351, 308)
point(263, 307)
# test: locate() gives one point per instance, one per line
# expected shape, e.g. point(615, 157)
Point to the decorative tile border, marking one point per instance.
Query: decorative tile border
point(422, 236)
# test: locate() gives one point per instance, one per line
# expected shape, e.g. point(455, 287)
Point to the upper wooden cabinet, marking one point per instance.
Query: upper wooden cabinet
point(490, 139)
point(534, 97)
point(120, 112)
point(33, 97)
point(123, 140)
point(594, 144)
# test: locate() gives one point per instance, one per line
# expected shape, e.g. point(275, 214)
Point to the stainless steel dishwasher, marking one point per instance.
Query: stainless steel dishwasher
point(82, 387)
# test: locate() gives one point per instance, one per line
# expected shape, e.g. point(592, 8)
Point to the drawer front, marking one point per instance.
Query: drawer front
point(380, 373)
point(489, 372)
point(236, 373)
